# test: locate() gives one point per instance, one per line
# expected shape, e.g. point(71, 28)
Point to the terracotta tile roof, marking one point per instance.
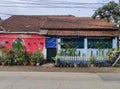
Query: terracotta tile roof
point(59, 23)
point(77, 23)
point(23, 23)
point(28, 23)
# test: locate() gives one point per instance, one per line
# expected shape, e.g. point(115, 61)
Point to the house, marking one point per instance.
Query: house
point(45, 32)
point(84, 33)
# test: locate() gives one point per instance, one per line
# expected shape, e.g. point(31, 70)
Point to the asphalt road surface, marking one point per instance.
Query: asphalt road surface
point(58, 80)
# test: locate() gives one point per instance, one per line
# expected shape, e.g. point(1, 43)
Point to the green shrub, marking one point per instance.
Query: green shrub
point(37, 56)
point(92, 60)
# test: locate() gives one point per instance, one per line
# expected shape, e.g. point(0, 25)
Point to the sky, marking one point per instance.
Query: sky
point(80, 8)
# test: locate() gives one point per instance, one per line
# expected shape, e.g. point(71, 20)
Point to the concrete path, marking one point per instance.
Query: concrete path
point(58, 80)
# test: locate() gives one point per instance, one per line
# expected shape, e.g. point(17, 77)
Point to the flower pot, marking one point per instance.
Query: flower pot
point(92, 65)
point(38, 64)
point(75, 65)
point(33, 63)
point(25, 63)
point(10, 64)
point(3, 63)
point(71, 65)
point(19, 63)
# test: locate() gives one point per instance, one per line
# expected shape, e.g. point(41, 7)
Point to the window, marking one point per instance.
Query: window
point(41, 43)
point(77, 42)
point(6, 42)
point(99, 42)
point(28, 43)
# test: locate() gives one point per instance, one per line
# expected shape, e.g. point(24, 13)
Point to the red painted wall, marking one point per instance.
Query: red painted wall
point(32, 42)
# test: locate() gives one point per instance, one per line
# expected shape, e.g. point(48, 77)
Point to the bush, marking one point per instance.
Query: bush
point(37, 56)
point(92, 60)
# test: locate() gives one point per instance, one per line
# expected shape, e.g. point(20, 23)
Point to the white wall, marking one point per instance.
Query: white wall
point(114, 42)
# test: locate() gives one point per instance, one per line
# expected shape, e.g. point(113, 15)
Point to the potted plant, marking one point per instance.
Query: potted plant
point(24, 60)
point(4, 51)
point(10, 57)
point(19, 60)
point(26, 57)
point(37, 57)
point(57, 61)
point(4, 60)
point(91, 61)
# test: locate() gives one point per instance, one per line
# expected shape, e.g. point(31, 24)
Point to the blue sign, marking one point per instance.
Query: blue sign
point(51, 42)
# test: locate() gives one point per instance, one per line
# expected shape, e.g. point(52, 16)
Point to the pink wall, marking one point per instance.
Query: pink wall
point(32, 42)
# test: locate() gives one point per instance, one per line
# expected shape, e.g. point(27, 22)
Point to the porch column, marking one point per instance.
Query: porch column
point(114, 42)
point(86, 45)
point(58, 45)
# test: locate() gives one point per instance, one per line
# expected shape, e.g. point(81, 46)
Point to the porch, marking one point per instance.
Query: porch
point(88, 46)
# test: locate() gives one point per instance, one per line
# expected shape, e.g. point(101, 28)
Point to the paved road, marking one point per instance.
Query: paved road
point(58, 80)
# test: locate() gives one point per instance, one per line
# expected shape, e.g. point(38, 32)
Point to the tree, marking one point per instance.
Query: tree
point(109, 12)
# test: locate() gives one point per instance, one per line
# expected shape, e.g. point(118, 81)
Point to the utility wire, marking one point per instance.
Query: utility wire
point(49, 2)
point(42, 4)
point(53, 4)
point(56, 3)
point(88, 7)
